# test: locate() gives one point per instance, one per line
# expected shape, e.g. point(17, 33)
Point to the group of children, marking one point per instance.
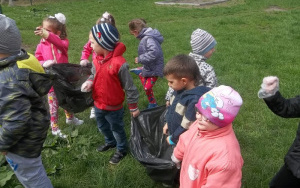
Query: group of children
point(199, 117)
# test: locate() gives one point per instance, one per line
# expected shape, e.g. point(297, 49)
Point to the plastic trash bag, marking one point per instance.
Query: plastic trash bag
point(148, 145)
point(67, 85)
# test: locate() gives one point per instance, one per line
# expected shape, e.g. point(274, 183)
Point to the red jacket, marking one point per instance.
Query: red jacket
point(111, 80)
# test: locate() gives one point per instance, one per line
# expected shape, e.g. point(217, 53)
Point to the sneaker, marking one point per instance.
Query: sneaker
point(137, 71)
point(92, 116)
point(152, 105)
point(74, 121)
point(117, 157)
point(58, 133)
point(105, 147)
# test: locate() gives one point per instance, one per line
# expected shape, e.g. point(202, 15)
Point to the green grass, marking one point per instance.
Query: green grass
point(252, 43)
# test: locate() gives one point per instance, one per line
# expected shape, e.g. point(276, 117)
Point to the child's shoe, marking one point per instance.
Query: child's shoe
point(57, 132)
point(117, 157)
point(92, 116)
point(137, 71)
point(74, 121)
point(152, 105)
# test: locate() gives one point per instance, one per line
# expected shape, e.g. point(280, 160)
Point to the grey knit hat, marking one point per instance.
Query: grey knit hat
point(106, 35)
point(202, 42)
point(10, 37)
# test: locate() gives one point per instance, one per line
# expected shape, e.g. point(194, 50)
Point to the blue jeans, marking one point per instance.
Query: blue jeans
point(111, 125)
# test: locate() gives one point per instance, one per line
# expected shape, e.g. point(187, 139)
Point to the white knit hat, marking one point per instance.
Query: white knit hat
point(202, 42)
point(10, 37)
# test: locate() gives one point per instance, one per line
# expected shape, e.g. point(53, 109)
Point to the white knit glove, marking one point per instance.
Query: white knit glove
point(87, 86)
point(176, 161)
point(84, 62)
point(48, 63)
point(269, 87)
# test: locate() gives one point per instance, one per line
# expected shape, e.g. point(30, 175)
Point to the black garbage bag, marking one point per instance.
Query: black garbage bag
point(148, 145)
point(67, 86)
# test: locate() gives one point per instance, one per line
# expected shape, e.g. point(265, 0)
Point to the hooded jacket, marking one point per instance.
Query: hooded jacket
point(150, 53)
point(24, 116)
point(111, 80)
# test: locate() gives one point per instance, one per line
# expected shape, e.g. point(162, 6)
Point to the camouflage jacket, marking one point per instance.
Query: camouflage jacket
point(24, 113)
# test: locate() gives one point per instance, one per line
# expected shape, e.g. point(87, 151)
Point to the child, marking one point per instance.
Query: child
point(288, 175)
point(202, 44)
point(88, 50)
point(53, 48)
point(110, 80)
point(150, 55)
point(183, 77)
point(209, 150)
point(23, 115)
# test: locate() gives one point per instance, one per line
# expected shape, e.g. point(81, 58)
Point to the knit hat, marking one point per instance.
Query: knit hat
point(106, 35)
point(202, 42)
point(220, 105)
point(10, 37)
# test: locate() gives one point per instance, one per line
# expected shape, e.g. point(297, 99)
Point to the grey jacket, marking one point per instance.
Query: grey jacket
point(150, 53)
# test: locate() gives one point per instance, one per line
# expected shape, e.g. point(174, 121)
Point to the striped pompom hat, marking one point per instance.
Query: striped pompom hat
point(106, 35)
point(202, 42)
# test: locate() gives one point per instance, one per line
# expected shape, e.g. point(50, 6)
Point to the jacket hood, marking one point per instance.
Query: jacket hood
point(154, 33)
point(12, 59)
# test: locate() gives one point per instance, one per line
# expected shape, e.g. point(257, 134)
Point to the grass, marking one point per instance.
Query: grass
point(256, 38)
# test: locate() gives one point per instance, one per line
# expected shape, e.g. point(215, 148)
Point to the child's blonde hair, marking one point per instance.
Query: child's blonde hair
point(57, 26)
point(106, 18)
point(137, 24)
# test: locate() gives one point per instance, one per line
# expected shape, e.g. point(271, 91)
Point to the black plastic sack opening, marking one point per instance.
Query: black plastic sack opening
point(148, 145)
point(67, 86)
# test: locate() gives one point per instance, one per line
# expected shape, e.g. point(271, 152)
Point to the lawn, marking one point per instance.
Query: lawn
point(256, 38)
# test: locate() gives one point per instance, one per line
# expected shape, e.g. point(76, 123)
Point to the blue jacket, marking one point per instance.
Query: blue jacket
point(181, 112)
point(150, 53)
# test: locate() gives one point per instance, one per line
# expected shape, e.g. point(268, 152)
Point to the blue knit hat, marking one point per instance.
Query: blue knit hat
point(106, 35)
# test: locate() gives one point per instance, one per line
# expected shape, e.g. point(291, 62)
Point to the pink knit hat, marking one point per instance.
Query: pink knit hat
point(220, 105)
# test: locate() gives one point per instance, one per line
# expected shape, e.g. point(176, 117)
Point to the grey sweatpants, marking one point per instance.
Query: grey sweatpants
point(29, 171)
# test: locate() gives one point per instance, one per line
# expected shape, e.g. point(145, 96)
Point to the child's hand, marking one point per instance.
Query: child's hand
point(167, 103)
point(270, 83)
point(48, 63)
point(165, 129)
point(87, 86)
point(136, 60)
point(135, 113)
point(84, 62)
point(41, 32)
point(269, 87)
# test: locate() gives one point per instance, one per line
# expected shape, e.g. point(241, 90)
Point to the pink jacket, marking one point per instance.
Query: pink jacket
point(60, 47)
point(87, 51)
point(210, 159)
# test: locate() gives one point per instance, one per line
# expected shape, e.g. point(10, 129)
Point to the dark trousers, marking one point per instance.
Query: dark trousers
point(285, 179)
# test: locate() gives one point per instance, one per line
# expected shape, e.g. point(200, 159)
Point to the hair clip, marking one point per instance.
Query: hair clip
point(102, 19)
point(105, 15)
point(60, 17)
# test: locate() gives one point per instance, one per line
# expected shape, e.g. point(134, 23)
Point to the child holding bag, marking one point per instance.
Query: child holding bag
point(53, 48)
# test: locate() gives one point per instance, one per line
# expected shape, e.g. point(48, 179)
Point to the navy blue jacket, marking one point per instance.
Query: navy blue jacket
point(181, 112)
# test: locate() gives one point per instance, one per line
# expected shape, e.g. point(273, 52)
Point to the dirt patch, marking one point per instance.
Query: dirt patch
point(191, 2)
point(274, 8)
